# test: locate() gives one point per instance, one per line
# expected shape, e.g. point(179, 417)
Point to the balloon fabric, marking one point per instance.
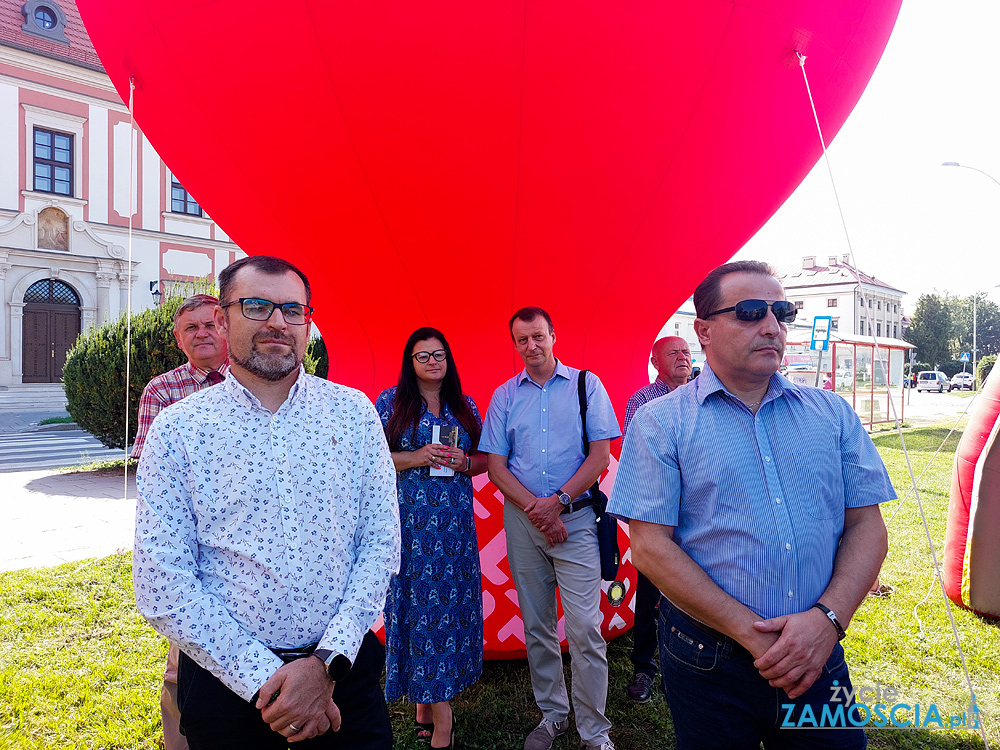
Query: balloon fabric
point(972, 537)
point(444, 163)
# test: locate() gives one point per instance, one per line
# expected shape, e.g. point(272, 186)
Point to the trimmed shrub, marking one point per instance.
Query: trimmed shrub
point(317, 356)
point(94, 374)
point(984, 366)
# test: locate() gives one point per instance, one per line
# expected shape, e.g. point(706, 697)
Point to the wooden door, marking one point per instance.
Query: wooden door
point(49, 333)
point(36, 345)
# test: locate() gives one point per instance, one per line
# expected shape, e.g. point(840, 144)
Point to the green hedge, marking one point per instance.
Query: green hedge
point(94, 374)
point(984, 366)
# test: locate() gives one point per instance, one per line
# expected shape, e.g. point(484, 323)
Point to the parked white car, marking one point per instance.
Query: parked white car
point(961, 380)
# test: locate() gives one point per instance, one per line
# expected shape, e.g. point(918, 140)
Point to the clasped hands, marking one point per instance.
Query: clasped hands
point(794, 649)
point(296, 701)
point(544, 512)
point(441, 457)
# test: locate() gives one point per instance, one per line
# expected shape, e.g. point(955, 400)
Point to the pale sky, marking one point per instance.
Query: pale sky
point(920, 227)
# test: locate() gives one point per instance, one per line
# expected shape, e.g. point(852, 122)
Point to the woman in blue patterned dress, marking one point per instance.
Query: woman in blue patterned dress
point(434, 610)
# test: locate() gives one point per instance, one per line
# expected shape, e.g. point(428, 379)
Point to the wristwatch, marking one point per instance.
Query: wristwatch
point(563, 497)
point(337, 667)
point(841, 634)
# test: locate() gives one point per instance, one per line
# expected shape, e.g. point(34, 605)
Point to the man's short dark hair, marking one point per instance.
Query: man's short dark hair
point(707, 296)
point(528, 314)
point(193, 303)
point(268, 264)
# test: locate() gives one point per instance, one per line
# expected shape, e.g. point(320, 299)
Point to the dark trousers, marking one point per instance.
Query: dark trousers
point(719, 701)
point(214, 717)
point(647, 597)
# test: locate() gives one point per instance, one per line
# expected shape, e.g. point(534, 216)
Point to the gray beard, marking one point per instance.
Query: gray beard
point(271, 367)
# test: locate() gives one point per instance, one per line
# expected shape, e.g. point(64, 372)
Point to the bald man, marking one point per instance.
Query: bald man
point(671, 356)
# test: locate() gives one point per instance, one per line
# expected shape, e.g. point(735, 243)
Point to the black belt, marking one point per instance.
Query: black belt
point(577, 505)
point(291, 654)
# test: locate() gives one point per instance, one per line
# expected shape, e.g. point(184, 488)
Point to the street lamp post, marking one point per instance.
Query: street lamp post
point(974, 296)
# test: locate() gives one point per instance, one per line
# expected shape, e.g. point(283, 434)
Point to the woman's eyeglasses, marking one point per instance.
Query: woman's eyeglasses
point(425, 357)
point(750, 310)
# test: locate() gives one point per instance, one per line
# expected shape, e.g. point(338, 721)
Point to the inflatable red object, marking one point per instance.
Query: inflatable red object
point(444, 163)
point(972, 538)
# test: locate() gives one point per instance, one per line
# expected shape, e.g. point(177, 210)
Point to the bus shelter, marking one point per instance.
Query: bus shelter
point(866, 378)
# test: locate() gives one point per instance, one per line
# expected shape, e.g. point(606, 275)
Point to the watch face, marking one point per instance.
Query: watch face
point(564, 498)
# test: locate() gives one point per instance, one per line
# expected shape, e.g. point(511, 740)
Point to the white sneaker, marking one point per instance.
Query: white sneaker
point(542, 736)
point(609, 745)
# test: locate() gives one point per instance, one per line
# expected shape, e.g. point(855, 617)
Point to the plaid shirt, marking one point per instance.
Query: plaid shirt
point(165, 389)
point(654, 390)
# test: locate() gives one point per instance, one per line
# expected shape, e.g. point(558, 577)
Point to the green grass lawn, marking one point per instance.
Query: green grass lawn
point(80, 669)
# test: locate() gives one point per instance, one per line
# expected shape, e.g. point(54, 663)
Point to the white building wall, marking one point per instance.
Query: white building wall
point(97, 187)
point(9, 155)
point(151, 188)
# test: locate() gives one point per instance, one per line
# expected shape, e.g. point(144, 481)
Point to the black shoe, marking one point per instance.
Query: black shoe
point(641, 689)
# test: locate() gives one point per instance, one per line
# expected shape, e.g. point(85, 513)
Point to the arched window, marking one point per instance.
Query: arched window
point(52, 292)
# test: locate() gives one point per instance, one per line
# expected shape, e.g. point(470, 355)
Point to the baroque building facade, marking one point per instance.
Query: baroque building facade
point(74, 175)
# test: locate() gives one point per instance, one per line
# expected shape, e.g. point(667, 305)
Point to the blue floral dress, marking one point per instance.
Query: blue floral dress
point(434, 609)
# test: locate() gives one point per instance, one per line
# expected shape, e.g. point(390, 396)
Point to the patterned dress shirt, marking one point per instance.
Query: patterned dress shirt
point(643, 396)
point(257, 530)
point(757, 501)
point(166, 389)
point(538, 427)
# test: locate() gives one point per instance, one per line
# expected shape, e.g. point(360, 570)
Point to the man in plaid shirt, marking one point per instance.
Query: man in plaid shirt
point(671, 356)
point(208, 363)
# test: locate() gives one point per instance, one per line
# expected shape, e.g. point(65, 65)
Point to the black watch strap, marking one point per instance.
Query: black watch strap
point(337, 667)
point(832, 617)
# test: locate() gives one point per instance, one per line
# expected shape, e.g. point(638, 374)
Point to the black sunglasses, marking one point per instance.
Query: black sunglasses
point(750, 310)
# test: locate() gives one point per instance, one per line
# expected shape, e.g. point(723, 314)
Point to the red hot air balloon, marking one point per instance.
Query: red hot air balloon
point(445, 163)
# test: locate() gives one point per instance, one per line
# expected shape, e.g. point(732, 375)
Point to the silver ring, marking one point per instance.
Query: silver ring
point(451, 459)
point(292, 726)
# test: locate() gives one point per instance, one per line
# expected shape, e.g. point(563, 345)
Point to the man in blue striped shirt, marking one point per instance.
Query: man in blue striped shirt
point(754, 509)
point(671, 356)
point(533, 438)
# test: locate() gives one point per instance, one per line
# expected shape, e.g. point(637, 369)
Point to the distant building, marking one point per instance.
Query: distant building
point(836, 289)
point(66, 155)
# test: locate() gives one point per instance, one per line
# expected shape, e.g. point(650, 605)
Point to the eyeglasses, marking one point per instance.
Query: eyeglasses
point(425, 357)
point(254, 308)
point(750, 310)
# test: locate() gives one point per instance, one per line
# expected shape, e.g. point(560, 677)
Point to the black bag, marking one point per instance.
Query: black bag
point(607, 526)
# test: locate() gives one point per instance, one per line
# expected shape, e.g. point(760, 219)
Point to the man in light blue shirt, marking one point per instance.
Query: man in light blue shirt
point(754, 509)
point(533, 439)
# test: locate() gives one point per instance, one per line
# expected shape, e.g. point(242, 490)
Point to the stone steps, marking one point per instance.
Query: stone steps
point(33, 397)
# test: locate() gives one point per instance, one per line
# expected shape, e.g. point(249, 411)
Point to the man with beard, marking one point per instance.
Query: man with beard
point(207, 365)
point(267, 530)
point(754, 510)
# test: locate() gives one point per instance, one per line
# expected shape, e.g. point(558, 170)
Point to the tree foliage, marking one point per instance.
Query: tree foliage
point(932, 329)
point(987, 320)
point(984, 366)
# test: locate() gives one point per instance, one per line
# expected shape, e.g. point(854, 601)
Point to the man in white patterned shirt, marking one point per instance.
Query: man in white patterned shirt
point(267, 531)
point(207, 364)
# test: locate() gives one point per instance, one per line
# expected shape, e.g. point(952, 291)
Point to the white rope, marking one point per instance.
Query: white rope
point(892, 405)
point(128, 304)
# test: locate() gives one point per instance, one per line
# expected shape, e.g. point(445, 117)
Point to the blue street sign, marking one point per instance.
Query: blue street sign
point(821, 333)
point(964, 357)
